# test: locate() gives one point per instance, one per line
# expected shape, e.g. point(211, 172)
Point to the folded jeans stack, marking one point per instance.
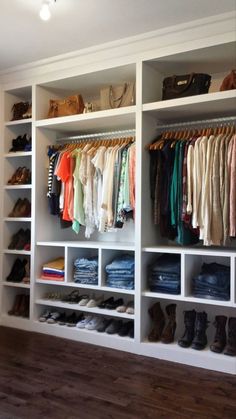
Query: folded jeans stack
point(86, 270)
point(54, 270)
point(164, 274)
point(120, 272)
point(213, 282)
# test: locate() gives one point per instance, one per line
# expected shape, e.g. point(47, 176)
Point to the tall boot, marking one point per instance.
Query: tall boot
point(16, 305)
point(158, 319)
point(169, 331)
point(230, 348)
point(200, 337)
point(220, 336)
point(189, 322)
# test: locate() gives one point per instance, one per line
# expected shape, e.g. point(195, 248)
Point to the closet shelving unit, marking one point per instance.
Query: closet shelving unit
point(10, 225)
point(141, 238)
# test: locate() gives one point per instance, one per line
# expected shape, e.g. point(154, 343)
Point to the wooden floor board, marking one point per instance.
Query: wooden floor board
point(44, 377)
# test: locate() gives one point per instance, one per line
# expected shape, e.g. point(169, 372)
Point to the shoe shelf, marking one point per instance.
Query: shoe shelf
point(18, 122)
point(203, 359)
point(85, 286)
point(150, 294)
point(76, 307)
point(18, 154)
point(123, 343)
point(17, 252)
point(16, 187)
point(15, 219)
point(15, 284)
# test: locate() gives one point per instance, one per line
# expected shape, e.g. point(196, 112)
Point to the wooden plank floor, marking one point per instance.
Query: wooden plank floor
point(47, 377)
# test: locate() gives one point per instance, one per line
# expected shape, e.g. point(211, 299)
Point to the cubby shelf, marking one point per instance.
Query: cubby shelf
point(92, 122)
point(18, 122)
point(17, 154)
point(76, 307)
point(17, 252)
point(17, 187)
point(16, 219)
point(187, 299)
point(15, 284)
point(193, 107)
point(89, 245)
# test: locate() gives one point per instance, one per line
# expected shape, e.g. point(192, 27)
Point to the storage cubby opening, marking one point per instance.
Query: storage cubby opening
point(46, 254)
point(12, 133)
point(88, 85)
point(23, 94)
point(10, 200)
point(215, 60)
point(77, 254)
point(11, 166)
point(149, 259)
point(108, 256)
point(9, 260)
point(11, 229)
point(181, 307)
point(193, 267)
point(14, 298)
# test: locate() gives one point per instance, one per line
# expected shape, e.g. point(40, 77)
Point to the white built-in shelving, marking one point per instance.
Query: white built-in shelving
point(214, 55)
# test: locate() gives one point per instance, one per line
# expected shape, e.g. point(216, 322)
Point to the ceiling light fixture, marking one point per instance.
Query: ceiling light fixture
point(45, 12)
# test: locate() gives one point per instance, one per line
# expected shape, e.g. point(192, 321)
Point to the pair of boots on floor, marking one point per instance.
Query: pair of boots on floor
point(195, 329)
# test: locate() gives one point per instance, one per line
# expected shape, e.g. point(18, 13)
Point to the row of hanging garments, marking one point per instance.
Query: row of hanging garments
point(91, 183)
point(193, 185)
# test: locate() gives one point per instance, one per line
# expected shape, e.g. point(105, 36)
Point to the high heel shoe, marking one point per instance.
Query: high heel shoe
point(16, 208)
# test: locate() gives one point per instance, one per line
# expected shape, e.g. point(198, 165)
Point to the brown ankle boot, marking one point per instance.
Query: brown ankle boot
point(230, 348)
point(16, 305)
point(158, 319)
point(22, 306)
point(169, 331)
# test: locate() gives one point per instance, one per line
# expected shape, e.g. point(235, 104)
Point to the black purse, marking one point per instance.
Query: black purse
point(21, 110)
point(192, 84)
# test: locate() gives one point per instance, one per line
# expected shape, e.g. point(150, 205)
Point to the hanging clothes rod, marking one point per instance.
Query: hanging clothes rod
point(110, 134)
point(202, 122)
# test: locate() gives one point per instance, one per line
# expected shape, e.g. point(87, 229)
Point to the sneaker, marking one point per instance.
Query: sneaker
point(46, 314)
point(83, 322)
point(94, 323)
point(84, 300)
point(126, 328)
point(53, 317)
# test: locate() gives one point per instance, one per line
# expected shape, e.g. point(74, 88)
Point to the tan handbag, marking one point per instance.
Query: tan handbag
point(117, 96)
point(229, 82)
point(72, 105)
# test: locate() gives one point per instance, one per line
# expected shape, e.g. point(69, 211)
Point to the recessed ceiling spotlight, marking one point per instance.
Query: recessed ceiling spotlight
point(45, 12)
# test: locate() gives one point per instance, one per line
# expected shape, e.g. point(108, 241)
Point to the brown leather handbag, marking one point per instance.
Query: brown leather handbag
point(72, 105)
point(229, 82)
point(21, 110)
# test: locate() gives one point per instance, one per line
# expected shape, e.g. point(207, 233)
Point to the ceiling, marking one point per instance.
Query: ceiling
point(77, 24)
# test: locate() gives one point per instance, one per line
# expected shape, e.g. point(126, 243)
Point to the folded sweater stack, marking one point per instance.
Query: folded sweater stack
point(54, 270)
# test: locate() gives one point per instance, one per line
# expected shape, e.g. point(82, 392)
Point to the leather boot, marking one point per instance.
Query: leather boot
point(189, 322)
point(230, 348)
point(16, 305)
point(200, 337)
point(158, 319)
point(169, 331)
point(220, 336)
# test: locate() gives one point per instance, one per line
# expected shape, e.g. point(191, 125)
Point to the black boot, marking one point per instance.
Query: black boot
point(200, 338)
point(231, 341)
point(220, 336)
point(189, 321)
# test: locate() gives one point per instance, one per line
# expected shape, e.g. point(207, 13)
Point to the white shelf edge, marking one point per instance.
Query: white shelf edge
point(15, 219)
point(15, 322)
point(17, 252)
point(67, 284)
point(190, 251)
point(16, 187)
point(189, 100)
point(15, 284)
point(86, 117)
point(18, 122)
point(89, 245)
point(76, 307)
point(163, 296)
point(18, 154)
